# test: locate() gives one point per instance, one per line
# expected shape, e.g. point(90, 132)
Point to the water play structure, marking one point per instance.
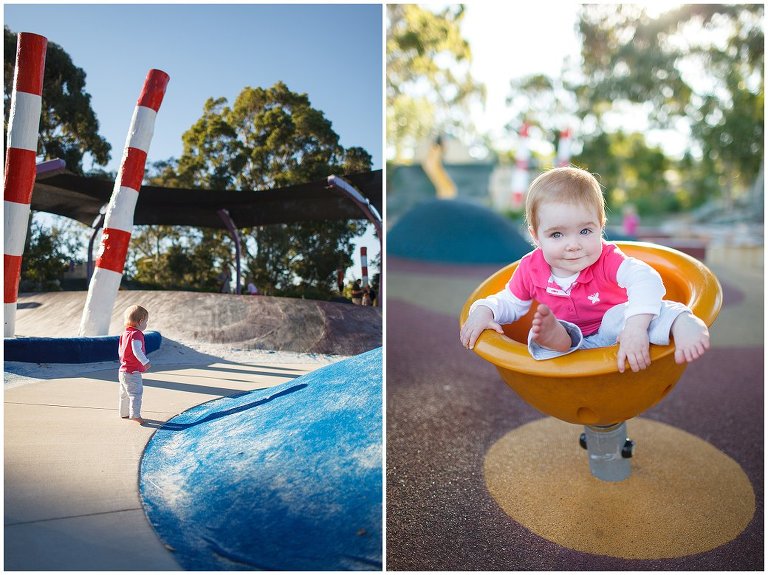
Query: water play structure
point(586, 388)
point(23, 125)
point(118, 220)
point(117, 206)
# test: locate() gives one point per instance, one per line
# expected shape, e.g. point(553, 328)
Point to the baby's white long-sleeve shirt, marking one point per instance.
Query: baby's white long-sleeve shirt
point(136, 347)
point(644, 286)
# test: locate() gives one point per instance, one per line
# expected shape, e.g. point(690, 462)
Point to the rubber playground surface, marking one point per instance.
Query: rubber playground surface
point(479, 480)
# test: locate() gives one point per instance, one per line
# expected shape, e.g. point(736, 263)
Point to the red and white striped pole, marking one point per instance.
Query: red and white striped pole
point(364, 264)
point(564, 149)
point(20, 165)
point(520, 175)
point(118, 222)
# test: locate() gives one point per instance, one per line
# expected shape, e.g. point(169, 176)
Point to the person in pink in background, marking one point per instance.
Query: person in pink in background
point(133, 362)
point(631, 220)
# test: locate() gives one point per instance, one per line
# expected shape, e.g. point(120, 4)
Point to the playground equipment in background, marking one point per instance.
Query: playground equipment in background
point(364, 264)
point(564, 148)
point(373, 216)
point(459, 232)
point(433, 167)
point(586, 387)
point(20, 167)
point(118, 222)
point(520, 175)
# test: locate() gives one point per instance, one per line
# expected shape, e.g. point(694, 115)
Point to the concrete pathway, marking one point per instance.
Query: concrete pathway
point(71, 463)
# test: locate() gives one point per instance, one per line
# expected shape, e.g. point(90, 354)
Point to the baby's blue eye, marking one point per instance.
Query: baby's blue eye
point(586, 232)
point(555, 235)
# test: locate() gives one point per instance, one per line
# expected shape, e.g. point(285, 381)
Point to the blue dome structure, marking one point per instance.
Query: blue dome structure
point(285, 478)
point(458, 232)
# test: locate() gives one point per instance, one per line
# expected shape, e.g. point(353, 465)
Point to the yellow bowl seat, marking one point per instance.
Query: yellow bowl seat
point(585, 387)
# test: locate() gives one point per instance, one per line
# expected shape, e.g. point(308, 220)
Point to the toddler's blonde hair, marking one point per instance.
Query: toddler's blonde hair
point(134, 315)
point(567, 185)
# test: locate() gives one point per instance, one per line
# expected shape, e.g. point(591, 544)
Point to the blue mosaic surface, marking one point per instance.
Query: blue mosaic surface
point(284, 478)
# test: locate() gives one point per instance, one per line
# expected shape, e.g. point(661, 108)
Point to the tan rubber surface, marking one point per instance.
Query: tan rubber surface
point(683, 497)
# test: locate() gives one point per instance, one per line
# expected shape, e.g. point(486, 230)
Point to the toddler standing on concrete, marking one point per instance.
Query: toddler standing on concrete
point(133, 361)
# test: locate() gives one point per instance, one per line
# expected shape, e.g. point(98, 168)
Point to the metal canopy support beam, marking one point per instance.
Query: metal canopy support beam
point(232, 229)
point(371, 213)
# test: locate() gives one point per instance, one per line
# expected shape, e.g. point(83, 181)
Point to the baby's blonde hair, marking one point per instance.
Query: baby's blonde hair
point(567, 185)
point(134, 315)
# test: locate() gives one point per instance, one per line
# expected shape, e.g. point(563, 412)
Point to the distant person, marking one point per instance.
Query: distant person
point(631, 220)
point(252, 289)
point(357, 293)
point(367, 299)
point(133, 361)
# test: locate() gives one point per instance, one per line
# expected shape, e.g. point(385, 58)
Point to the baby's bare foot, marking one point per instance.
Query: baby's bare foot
point(691, 337)
point(548, 332)
point(138, 420)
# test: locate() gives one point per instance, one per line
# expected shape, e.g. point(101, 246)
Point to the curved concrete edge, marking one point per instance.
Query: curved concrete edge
point(70, 349)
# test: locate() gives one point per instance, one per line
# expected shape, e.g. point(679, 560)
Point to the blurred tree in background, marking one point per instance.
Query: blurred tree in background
point(697, 68)
point(692, 75)
point(429, 85)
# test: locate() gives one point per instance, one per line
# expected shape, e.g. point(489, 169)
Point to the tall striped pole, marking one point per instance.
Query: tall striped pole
point(364, 264)
point(520, 175)
point(564, 148)
point(118, 222)
point(20, 168)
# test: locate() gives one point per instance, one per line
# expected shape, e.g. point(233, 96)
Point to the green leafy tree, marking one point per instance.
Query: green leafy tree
point(429, 85)
point(630, 171)
point(269, 138)
point(68, 124)
point(702, 65)
point(48, 253)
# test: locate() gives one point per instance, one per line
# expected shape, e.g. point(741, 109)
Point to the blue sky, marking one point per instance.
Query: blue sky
point(333, 53)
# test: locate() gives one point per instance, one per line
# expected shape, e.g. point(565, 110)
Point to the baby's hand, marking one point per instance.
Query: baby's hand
point(477, 322)
point(634, 344)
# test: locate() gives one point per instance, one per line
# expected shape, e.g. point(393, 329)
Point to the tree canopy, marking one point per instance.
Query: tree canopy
point(68, 125)
point(269, 137)
point(695, 71)
point(429, 85)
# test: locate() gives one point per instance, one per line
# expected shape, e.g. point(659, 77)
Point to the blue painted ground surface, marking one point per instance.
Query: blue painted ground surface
point(285, 478)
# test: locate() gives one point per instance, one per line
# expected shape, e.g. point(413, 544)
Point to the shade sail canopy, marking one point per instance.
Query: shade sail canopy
point(82, 197)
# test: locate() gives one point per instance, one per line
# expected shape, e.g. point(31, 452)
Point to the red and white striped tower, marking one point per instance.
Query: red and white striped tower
point(23, 127)
point(364, 264)
point(118, 222)
point(564, 149)
point(520, 176)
